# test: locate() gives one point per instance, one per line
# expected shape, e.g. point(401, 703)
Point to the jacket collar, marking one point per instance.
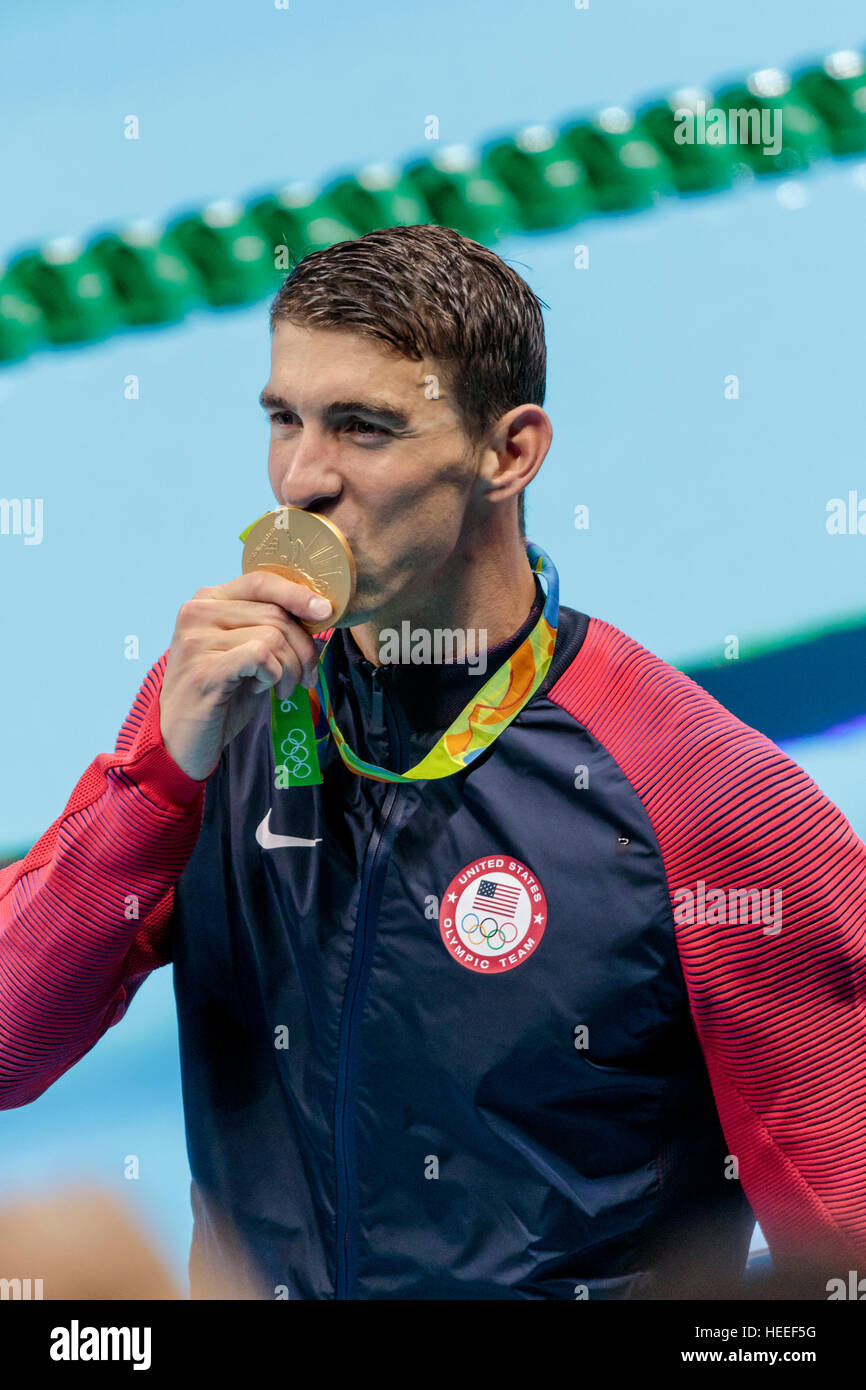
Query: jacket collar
point(430, 696)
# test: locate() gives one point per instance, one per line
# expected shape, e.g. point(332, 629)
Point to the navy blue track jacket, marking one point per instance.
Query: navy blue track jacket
point(478, 1037)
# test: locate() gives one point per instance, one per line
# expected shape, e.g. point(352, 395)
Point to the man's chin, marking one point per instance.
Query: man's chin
point(354, 617)
point(363, 608)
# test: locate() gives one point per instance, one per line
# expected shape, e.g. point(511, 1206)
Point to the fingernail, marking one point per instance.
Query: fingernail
point(319, 607)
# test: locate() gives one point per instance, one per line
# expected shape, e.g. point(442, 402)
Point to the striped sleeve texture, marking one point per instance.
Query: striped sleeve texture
point(768, 897)
point(84, 917)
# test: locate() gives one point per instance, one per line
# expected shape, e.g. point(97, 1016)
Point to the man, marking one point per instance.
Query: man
point(518, 1031)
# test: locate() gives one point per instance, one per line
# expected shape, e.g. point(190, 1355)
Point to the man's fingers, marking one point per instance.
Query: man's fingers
point(261, 586)
point(287, 642)
point(255, 660)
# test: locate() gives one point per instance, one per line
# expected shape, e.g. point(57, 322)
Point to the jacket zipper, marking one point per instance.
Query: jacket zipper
point(375, 864)
point(377, 720)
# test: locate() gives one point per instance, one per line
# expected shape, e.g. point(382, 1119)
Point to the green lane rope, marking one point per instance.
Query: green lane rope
point(542, 178)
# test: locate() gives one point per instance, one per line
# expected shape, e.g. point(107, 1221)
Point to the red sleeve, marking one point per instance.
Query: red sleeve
point(776, 985)
point(84, 916)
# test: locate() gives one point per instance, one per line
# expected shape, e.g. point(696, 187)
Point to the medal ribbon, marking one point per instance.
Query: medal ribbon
point(293, 728)
point(498, 702)
point(476, 727)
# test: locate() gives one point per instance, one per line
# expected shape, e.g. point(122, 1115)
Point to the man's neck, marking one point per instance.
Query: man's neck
point(484, 588)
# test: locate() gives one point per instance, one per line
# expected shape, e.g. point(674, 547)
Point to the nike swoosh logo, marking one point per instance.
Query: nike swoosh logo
point(268, 840)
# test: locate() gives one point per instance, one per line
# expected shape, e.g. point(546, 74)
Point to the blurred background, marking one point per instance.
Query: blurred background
point(707, 511)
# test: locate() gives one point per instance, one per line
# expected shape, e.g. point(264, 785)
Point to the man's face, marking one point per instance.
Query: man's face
point(358, 435)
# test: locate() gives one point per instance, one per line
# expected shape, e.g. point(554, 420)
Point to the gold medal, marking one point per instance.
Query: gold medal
point(308, 549)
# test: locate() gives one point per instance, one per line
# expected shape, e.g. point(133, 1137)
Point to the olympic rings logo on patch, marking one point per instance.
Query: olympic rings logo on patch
point(492, 915)
point(298, 752)
point(487, 931)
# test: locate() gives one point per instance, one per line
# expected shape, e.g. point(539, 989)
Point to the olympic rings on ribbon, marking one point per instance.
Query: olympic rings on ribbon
point(299, 754)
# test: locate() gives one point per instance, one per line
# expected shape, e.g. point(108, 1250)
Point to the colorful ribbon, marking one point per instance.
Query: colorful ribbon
point(499, 701)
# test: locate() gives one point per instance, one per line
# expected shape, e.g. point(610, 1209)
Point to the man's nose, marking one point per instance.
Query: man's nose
point(309, 473)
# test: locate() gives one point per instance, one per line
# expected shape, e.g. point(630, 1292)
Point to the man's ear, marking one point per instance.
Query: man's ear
point(516, 449)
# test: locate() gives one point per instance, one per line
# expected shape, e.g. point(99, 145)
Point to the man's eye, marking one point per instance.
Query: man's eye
point(368, 426)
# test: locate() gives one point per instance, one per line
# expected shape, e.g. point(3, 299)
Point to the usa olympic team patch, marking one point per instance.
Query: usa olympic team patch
point(493, 914)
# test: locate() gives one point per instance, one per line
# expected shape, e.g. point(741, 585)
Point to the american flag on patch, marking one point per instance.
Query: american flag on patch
point(499, 898)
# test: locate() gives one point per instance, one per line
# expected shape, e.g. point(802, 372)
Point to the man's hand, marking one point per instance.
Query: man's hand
point(232, 642)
